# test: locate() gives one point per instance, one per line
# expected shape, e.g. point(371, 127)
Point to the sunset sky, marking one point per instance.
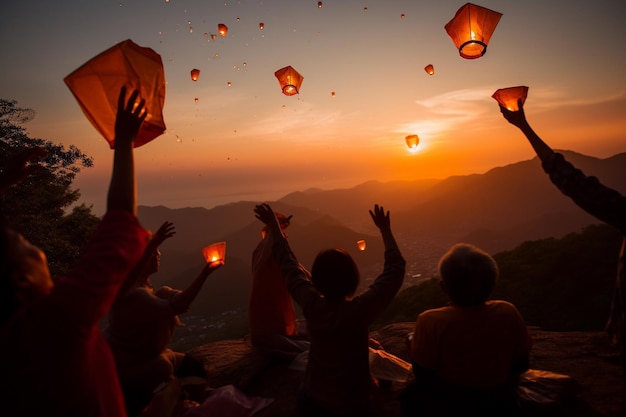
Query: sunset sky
point(250, 142)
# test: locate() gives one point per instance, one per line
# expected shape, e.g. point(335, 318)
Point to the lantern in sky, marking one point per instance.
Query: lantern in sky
point(412, 141)
point(195, 73)
point(261, 26)
point(222, 29)
point(332, 94)
point(215, 252)
point(361, 244)
point(213, 36)
point(507, 97)
point(430, 70)
point(96, 86)
point(471, 29)
point(319, 4)
point(289, 79)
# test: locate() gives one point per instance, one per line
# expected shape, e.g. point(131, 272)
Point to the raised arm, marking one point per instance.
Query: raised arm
point(130, 115)
point(518, 119)
point(182, 301)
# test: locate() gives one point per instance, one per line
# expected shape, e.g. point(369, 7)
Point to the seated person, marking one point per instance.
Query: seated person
point(271, 314)
point(468, 355)
point(142, 321)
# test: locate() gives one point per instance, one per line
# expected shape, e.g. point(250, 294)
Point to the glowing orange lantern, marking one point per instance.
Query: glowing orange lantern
point(196, 99)
point(215, 252)
point(430, 70)
point(261, 26)
point(471, 29)
point(222, 29)
point(412, 141)
point(332, 94)
point(319, 4)
point(361, 244)
point(195, 73)
point(213, 36)
point(290, 80)
point(96, 86)
point(507, 97)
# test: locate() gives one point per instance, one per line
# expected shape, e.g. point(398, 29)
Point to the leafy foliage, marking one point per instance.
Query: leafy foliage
point(37, 206)
point(557, 284)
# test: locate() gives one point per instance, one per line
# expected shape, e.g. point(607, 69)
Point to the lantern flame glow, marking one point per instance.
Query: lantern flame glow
point(430, 70)
point(508, 97)
point(412, 141)
point(361, 244)
point(215, 252)
point(195, 73)
point(222, 29)
point(290, 80)
point(471, 28)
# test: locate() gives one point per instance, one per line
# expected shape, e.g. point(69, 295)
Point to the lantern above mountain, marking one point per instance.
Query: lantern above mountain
point(222, 29)
point(289, 79)
point(508, 97)
point(412, 141)
point(471, 28)
point(430, 70)
point(96, 86)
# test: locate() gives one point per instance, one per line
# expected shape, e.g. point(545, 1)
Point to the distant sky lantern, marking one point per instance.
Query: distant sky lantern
point(215, 252)
point(196, 99)
point(471, 29)
point(289, 79)
point(507, 97)
point(319, 4)
point(402, 16)
point(222, 29)
point(332, 94)
point(412, 141)
point(96, 86)
point(430, 70)
point(365, 9)
point(195, 73)
point(261, 26)
point(229, 84)
point(361, 244)
point(213, 36)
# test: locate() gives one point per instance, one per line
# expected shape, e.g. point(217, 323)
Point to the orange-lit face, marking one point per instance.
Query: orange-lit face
point(31, 276)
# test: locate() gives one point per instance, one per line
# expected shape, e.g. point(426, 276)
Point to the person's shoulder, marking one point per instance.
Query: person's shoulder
point(435, 313)
point(501, 306)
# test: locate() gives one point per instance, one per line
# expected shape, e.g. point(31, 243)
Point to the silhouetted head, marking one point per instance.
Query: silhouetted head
point(24, 273)
point(468, 274)
point(335, 274)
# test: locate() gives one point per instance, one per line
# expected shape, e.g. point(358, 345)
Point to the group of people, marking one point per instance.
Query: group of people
point(466, 356)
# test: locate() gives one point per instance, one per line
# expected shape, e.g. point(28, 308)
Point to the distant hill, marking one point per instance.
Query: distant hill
point(496, 210)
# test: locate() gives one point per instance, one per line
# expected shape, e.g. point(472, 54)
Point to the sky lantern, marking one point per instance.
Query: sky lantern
point(430, 70)
point(319, 4)
point(96, 86)
point(507, 97)
point(196, 99)
point(412, 141)
point(289, 79)
point(213, 36)
point(471, 28)
point(195, 73)
point(215, 252)
point(361, 244)
point(222, 29)
point(261, 26)
point(332, 94)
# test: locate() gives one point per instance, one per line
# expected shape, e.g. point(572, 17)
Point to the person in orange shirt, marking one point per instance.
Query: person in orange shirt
point(467, 355)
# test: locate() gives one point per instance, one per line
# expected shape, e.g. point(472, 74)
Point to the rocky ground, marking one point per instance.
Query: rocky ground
point(585, 356)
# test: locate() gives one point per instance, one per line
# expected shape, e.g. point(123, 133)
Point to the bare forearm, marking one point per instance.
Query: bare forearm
point(122, 191)
point(182, 301)
point(542, 150)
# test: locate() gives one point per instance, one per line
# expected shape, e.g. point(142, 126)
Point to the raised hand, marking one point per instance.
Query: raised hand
point(130, 115)
point(165, 232)
point(516, 118)
point(380, 218)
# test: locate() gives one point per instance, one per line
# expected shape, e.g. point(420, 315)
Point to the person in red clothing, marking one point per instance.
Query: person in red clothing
point(337, 379)
point(56, 361)
point(271, 314)
point(468, 355)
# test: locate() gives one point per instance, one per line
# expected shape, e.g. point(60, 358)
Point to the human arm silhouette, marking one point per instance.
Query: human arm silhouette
point(182, 301)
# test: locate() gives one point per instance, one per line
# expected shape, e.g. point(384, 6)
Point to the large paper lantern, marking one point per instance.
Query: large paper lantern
point(507, 97)
point(96, 86)
point(215, 252)
point(430, 70)
point(290, 80)
point(222, 29)
point(412, 141)
point(195, 73)
point(471, 29)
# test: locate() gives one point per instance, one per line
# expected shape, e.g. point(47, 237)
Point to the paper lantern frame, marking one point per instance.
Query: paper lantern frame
point(412, 141)
point(471, 28)
point(290, 80)
point(361, 244)
point(508, 97)
point(214, 252)
point(430, 70)
point(96, 86)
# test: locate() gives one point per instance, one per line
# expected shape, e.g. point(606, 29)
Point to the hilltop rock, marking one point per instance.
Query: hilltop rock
point(586, 356)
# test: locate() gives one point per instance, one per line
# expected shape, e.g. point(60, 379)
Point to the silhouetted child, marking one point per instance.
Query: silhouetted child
point(142, 321)
point(600, 201)
point(55, 360)
point(337, 377)
point(467, 356)
point(271, 314)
